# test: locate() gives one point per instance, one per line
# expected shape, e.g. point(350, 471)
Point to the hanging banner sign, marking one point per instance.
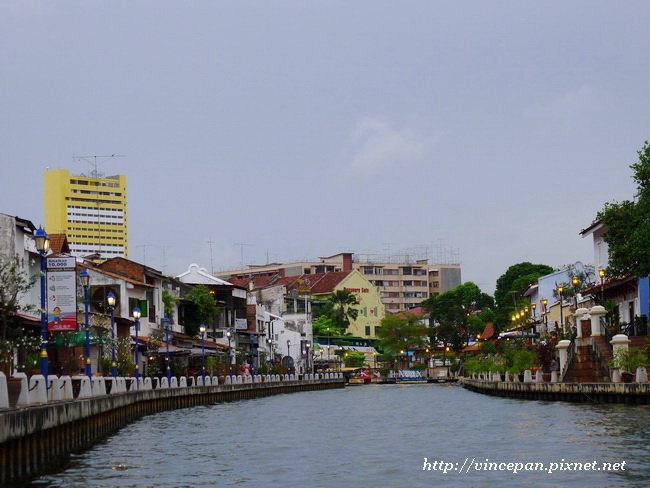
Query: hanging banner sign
point(61, 294)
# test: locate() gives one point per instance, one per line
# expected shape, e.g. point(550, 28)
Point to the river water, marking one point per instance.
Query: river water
point(371, 436)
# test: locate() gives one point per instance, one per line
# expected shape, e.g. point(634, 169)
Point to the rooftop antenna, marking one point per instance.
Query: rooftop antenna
point(164, 263)
point(92, 160)
point(210, 242)
point(241, 250)
point(144, 252)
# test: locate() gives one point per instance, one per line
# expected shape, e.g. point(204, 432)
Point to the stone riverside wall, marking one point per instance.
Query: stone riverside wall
point(39, 437)
point(631, 393)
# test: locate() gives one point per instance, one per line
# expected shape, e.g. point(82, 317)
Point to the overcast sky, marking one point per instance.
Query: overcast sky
point(490, 131)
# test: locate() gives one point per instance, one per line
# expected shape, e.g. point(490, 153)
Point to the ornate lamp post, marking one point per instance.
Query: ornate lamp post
point(307, 357)
point(601, 273)
point(110, 298)
point(168, 367)
point(575, 281)
point(288, 348)
point(85, 281)
point(136, 315)
point(202, 331)
point(544, 311)
point(269, 341)
point(229, 336)
point(42, 242)
point(560, 289)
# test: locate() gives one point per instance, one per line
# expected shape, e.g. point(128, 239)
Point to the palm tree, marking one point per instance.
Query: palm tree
point(342, 310)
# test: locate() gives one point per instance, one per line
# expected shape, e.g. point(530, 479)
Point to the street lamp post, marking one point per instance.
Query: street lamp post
point(136, 315)
point(307, 357)
point(269, 341)
point(575, 281)
point(601, 273)
point(560, 289)
point(85, 281)
point(42, 242)
point(168, 368)
point(229, 336)
point(110, 297)
point(202, 331)
point(544, 311)
point(251, 353)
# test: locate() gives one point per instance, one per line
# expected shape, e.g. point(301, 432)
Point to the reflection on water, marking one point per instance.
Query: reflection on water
point(367, 436)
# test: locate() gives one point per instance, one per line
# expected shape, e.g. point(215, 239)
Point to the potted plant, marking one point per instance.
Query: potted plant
point(627, 361)
point(545, 358)
point(33, 362)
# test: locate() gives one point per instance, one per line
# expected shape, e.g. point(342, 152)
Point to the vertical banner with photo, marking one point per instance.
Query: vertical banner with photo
point(61, 294)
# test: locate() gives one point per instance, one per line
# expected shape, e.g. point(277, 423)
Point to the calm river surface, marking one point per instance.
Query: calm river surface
point(368, 436)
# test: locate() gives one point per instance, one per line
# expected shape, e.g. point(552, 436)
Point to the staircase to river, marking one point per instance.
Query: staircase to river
point(586, 367)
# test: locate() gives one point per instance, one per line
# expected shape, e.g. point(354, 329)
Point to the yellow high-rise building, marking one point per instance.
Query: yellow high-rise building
point(90, 210)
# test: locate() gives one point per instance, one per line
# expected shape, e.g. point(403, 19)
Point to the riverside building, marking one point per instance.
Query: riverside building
point(89, 210)
point(402, 282)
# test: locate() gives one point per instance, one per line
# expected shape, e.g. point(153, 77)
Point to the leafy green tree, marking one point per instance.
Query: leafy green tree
point(628, 225)
point(169, 302)
point(401, 332)
point(13, 284)
point(202, 310)
point(457, 313)
point(511, 285)
point(325, 326)
point(353, 359)
point(342, 310)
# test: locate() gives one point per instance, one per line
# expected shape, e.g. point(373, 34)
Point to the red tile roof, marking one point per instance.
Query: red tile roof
point(316, 283)
point(258, 281)
point(59, 243)
point(417, 311)
point(488, 331)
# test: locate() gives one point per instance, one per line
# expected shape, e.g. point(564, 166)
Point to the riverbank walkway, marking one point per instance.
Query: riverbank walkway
point(40, 427)
point(628, 393)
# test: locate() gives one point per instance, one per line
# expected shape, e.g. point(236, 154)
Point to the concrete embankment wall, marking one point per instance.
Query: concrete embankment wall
point(36, 438)
point(630, 393)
